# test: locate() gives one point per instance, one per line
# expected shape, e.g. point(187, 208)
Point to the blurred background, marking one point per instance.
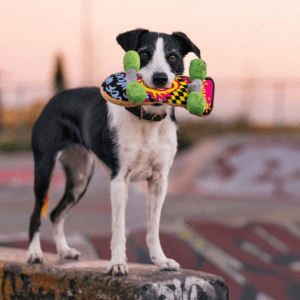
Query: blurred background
point(233, 203)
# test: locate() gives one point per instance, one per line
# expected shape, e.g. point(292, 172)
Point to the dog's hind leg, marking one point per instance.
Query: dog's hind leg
point(42, 177)
point(157, 189)
point(78, 164)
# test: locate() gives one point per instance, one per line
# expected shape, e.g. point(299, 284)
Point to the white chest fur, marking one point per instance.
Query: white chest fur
point(144, 147)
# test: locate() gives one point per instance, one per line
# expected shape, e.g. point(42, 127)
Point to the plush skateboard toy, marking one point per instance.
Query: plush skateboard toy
point(128, 89)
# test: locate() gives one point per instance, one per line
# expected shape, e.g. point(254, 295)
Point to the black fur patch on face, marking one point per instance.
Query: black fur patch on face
point(174, 53)
point(146, 48)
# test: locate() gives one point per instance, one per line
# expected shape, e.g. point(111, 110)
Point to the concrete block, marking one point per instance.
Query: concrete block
point(59, 279)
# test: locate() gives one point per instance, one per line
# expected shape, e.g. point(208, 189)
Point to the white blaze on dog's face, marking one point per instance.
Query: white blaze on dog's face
point(157, 72)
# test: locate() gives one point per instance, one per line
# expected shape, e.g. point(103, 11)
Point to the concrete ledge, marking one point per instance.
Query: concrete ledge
point(85, 279)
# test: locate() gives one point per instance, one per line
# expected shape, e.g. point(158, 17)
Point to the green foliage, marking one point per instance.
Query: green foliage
point(14, 146)
point(10, 141)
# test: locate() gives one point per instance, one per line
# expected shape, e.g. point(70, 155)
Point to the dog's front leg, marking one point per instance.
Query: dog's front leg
point(157, 189)
point(119, 194)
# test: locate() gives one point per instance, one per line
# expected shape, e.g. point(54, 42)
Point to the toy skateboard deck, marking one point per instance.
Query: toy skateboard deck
point(113, 90)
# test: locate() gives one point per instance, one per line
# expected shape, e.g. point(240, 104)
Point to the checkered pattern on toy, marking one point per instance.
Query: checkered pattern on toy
point(179, 96)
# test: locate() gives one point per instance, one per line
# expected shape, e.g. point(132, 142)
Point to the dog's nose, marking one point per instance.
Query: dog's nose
point(160, 78)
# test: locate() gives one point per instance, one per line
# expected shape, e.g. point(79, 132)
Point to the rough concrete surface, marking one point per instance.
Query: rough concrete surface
point(86, 279)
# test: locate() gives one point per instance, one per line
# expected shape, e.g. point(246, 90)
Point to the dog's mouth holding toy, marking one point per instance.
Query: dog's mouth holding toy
point(152, 86)
point(159, 87)
point(157, 81)
point(155, 86)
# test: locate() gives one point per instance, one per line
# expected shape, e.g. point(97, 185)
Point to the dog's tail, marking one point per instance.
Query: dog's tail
point(45, 206)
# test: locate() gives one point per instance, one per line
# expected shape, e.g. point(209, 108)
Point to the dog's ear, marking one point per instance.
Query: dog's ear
point(129, 40)
point(186, 44)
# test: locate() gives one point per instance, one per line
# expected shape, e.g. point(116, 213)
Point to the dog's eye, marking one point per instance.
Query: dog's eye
point(144, 55)
point(172, 58)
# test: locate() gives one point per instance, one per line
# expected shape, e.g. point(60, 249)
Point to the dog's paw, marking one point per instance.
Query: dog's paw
point(117, 270)
point(69, 253)
point(117, 267)
point(167, 264)
point(34, 257)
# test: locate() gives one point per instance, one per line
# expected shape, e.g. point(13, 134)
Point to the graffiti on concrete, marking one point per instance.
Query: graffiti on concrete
point(17, 285)
point(192, 289)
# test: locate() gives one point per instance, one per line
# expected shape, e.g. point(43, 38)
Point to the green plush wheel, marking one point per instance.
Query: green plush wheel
point(131, 61)
point(135, 92)
point(196, 103)
point(197, 69)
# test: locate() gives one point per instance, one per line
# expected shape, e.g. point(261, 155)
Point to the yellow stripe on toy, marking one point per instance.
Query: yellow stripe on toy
point(45, 206)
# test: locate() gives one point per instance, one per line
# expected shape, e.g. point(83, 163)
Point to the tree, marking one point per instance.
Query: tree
point(1, 104)
point(59, 80)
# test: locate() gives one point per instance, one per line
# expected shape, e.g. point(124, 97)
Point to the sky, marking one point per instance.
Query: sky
point(237, 39)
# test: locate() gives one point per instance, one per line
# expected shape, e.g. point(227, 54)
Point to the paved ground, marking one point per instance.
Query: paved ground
point(232, 209)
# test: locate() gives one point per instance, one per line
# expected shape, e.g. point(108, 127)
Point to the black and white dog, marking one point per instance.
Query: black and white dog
point(77, 123)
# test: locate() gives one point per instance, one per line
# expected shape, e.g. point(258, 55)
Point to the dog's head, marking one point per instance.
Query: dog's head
point(161, 54)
